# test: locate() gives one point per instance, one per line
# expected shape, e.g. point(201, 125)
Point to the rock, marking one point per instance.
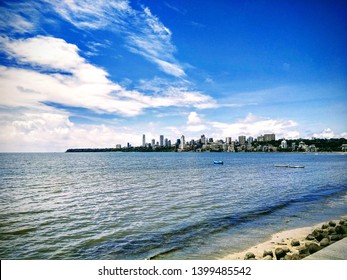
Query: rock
point(342, 222)
point(249, 256)
point(325, 226)
point(303, 250)
point(341, 229)
point(310, 237)
point(268, 253)
point(332, 223)
point(321, 235)
point(286, 249)
point(296, 257)
point(331, 230)
point(317, 231)
point(324, 242)
point(335, 237)
point(267, 257)
point(313, 248)
point(295, 242)
point(287, 257)
point(279, 253)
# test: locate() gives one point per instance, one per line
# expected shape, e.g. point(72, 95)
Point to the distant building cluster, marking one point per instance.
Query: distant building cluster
point(262, 143)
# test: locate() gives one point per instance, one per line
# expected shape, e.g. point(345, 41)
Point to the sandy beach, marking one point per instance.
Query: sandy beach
point(294, 242)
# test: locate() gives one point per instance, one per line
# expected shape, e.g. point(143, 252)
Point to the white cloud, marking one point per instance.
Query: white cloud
point(48, 129)
point(80, 85)
point(48, 52)
point(195, 123)
point(329, 133)
point(255, 126)
point(193, 118)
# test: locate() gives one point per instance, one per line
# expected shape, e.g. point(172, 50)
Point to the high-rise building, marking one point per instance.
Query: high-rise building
point(166, 142)
point(228, 140)
point(250, 140)
point(161, 140)
point(153, 142)
point(183, 142)
point(242, 140)
point(269, 137)
point(143, 140)
point(203, 139)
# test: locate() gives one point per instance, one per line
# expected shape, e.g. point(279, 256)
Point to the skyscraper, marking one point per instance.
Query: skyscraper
point(242, 140)
point(161, 141)
point(143, 140)
point(183, 142)
point(203, 139)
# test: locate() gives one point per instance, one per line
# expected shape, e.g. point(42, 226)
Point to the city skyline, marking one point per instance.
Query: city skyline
point(99, 73)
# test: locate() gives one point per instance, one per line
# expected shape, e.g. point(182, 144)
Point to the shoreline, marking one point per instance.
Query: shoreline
point(295, 244)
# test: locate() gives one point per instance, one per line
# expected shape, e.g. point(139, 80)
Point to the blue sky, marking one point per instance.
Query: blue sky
point(100, 73)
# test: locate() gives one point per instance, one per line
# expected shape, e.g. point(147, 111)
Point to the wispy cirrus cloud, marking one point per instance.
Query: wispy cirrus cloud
point(19, 17)
point(144, 33)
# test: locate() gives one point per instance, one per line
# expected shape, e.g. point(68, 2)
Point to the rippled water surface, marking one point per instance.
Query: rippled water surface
point(160, 205)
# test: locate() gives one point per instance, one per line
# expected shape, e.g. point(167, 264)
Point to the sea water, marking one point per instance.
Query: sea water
point(160, 205)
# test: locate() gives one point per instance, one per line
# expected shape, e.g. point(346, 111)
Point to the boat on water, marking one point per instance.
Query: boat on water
point(281, 165)
point(289, 166)
point(218, 162)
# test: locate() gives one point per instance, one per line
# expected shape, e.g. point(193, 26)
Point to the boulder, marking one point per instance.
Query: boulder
point(249, 256)
point(332, 223)
point(342, 222)
point(303, 250)
point(324, 242)
point(268, 253)
point(295, 242)
point(325, 226)
point(341, 229)
point(286, 249)
point(267, 257)
point(296, 257)
point(313, 248)
point(331, 230)
point(279, 253)
point(310, 237)
point(322, 235)
point(335, 237)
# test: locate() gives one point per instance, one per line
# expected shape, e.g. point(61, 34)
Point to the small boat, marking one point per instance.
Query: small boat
point(289, 166)
point(218, 162)
point(281, 165)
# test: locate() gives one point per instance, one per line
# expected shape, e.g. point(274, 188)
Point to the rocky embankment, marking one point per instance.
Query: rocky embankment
point(295, 249)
